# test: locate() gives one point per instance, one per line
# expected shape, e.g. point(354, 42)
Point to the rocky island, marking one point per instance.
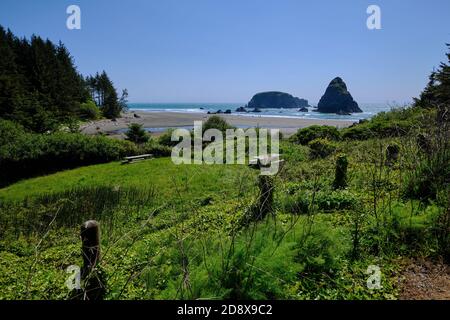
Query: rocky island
point(276, 99)
point(337, 99)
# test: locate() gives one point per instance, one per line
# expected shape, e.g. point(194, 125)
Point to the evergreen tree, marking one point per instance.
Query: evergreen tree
point(104, 94)
point(41, 89)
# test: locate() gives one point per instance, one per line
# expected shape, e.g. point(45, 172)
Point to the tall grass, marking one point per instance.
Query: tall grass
point(70, 208)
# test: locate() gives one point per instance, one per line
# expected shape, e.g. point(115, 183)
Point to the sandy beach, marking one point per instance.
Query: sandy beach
point(168, 120)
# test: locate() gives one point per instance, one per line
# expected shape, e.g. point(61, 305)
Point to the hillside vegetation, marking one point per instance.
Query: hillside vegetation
point(345, 202)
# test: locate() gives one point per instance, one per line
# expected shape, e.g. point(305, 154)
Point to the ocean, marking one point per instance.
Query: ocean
point(369, 110)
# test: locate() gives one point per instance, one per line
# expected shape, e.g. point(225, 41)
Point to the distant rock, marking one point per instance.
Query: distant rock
point(276, 99)
point(303, 109)
point(256, 110)
point(136, 115)
point(219, 111)
point(228, 111)
point(241, 109)
point(337, 99)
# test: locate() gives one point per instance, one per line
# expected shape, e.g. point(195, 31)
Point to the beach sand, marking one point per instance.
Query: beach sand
point(287, 126)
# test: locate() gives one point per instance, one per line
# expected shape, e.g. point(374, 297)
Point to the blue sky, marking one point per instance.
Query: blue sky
point(227, 50)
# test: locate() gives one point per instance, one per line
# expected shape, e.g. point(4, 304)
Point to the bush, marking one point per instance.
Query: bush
point(336, 200)
point(166, 139)
point(295, 204)
point(321, 250)
point(306, 135)
point(9, 132)
point(34, 154)
point(156, 149)
point(395, 123)
point(137, 134)
point(321, 148)
point(300, 202)
point(216, 122)
point(90, 111)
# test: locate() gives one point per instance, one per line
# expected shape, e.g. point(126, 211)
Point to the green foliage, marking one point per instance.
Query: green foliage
point(137, 134)
point(105, 95)
point(297, 203)
point(304, 202)
point(321, 249)
point(321, 148)
point(158, 150)
point(10, 132)
point(254, 265)
point(40, 87)
point(336, 200)
point(166, 139)
point(340, 177)
point(306, 135)
point(32, 215)
point(216, 122)
point(90, 111)
point(431, 175)
point(395, 123)
point(392, 153)
point(437, 92)
point(29, 154)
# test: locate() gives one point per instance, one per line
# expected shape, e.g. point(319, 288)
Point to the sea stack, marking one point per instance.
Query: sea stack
point(337, 99)
point(276, 99)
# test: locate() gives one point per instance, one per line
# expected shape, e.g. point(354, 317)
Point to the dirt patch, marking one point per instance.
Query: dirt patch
point(425, 280)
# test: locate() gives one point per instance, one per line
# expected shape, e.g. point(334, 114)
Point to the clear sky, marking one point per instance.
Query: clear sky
point(227, 50)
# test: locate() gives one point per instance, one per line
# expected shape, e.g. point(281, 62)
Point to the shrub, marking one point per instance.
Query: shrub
point(336, 200)
point(166, 139)
point(156, 149)
point(137, 134)
point(395, 123)
point(90, 111)
point(34, 154)
point(216, 122)
point(321, 148)
point(295, 204)
point(320, 251)
point(306, 135)
point(301, 202)
point(9, 132)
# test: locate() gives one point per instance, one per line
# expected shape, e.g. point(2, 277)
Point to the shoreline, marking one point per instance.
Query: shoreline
point(167, 120)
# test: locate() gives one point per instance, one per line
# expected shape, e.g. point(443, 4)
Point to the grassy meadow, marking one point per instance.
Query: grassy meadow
point(189, 231)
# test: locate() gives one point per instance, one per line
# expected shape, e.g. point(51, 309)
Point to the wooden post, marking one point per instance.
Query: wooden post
point(94, 287)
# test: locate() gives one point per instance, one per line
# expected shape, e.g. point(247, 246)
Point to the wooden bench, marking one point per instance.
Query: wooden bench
point(133, 159)
point(265, 160)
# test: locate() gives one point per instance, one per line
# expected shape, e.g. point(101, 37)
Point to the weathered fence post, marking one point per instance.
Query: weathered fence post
point(340, 178)
point(94, 287)
point(392, 152)
point(266, 191)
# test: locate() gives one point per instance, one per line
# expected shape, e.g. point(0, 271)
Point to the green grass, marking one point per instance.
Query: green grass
point(168, 179)
point(177, 231)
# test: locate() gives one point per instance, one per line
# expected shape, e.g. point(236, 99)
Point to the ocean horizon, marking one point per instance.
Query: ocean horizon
point(369, 110)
